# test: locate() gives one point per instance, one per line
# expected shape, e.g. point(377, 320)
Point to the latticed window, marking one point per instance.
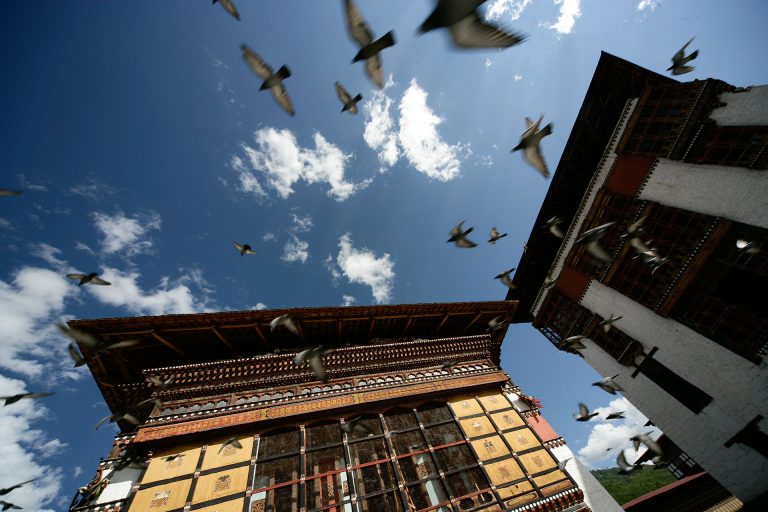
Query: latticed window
point(730, 145)
point(560, 318)
point(621, 347)
point(658, 119)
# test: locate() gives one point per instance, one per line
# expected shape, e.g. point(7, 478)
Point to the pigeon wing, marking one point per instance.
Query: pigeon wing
point(282, 98)
point(316, 363)
point(76, 276)
point(465, 243)
point(357, 26)
point(229, 6)
point(583, 410)
point(598, 252)
point(121, 344)
point(101, 422)
point(457, 230)
point(256, 63)
point(301, 357)
point(374, 71)
point(342, 93)
point(534, 157)
point(621, 461)
point(130, 418)
point(98, 280)
point(289, 324)
point(471, 32)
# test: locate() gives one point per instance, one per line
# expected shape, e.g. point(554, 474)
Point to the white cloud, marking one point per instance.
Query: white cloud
point(5, 224)
point(269, 237)
point(93, 189)
point(281, 163)
point(485, 160)
point(517, 77)
point(126, 235)
point(259, 306)
point(348, 300)
point(29, 305)
point(569, 11)
point(24, 446)
point(416, 136)
point(77, 471)
point(420, 140)
point(489, 63)
point(302, 223)
point(361, 266)
point(28, 185)
point(380, 134)
point(498, 8)
point(295, 250)
point(614, 434)
point(168, 297)
point(648, 4)
point(49, 254)
point(80, 246)
point(330, 265)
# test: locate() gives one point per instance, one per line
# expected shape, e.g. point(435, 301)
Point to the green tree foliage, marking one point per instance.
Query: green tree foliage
point(625, 488)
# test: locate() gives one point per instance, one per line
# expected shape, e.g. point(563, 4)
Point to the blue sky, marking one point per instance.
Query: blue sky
point(144, 148)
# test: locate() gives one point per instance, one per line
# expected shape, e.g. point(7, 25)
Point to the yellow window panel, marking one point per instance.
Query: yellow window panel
point(479, 426)
point(220, 484)
point(507, 420)
point(522, 439)
point(171, 463)
point(538, 461)
point(216, 457)
point(554, 476)
point(489, 448)
point(227, 506)
point(521, 500)
point(514, 490)
point(465, 406)
point(507, 470)
point(494, 401)
point(162, 497)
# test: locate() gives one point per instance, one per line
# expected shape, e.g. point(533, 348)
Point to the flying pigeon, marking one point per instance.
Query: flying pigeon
point(286, 321)
point(6, 192)
point(79, 336)
point(505, 279)
point(659, 462)
point(88, 278)
point(350, 103)
point(679, 60)
point(272, 80)
point(553, 226)
point(448, 365)
point(229, 7)
point(313, 356)
point(647, 441)
point(530, 144)
point(6, 490)
point(608, 322)
point(561, 465)
point(574, 342)
point(9, 506)
point(584, 414)
point(459, 237)
point(626, 467)
point(160, 383)
point(369, 49)
point(121, 415)
point(244, 248)
point(494, 236)
point(609, 385)
point(592, 238)
point(496, 323)
point(173, 457)
point(462, 18)
point(355, 425)
point(91, 342)
point(15, 398)
point(747, 246)
point(233, 442)
point(619, 415)
point(549, 282)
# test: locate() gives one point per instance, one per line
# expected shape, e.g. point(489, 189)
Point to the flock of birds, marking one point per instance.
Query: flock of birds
point(468, 30)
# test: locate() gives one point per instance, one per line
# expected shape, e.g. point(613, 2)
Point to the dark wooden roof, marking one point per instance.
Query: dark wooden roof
point(171, 340)
point(614, 82)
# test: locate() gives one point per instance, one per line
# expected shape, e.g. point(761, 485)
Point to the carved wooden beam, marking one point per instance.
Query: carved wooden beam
point(167, 343)
point(222, 338)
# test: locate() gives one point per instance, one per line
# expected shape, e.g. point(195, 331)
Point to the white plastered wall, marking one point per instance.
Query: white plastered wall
point(745, 108)
point(739, 389)
point(595, 494)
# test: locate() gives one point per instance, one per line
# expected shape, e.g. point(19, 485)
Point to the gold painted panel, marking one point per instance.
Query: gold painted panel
point(514, 490)
point(162, 497)
point(475, 427)
point(555, 488)
point(507, 420)
point(490, 448)
point(521, 500)
point(464, 406)
point(494, 401)
point(554, 476)
point(538, 461)
point(507, 470)
point(522, 439)
point(183, 461)
point(222, 483)
point(216, 457)
point(227, 506)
